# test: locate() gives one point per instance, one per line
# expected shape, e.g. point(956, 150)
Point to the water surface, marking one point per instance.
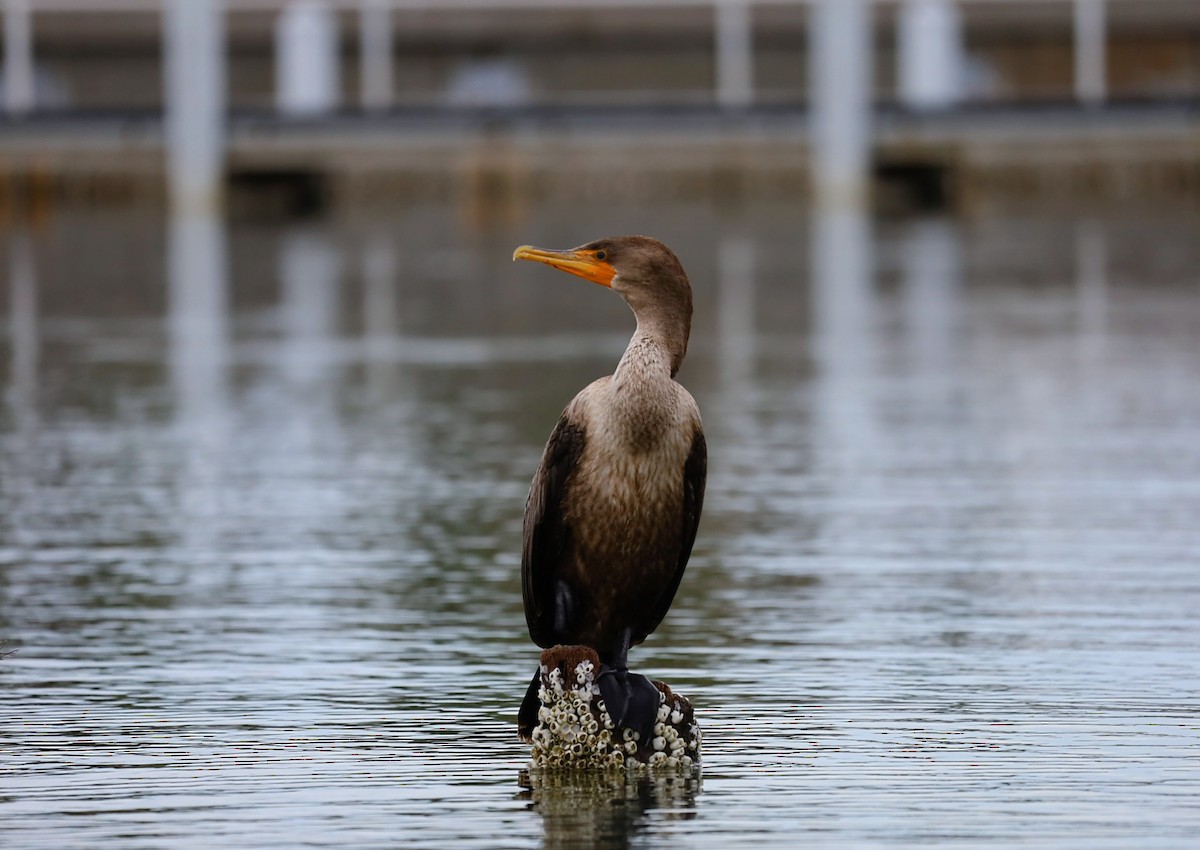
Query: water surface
point(261, 489)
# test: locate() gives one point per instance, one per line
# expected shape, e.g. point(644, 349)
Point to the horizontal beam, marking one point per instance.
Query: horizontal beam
point(666, 140)
point(153, 6)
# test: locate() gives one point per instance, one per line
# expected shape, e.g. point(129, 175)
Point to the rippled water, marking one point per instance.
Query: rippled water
point(260, 501)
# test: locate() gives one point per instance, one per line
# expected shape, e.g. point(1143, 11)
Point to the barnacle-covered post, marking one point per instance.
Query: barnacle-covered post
point(574, 729)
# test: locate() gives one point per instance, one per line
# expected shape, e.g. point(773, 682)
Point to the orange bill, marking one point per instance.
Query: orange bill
point(581, 263)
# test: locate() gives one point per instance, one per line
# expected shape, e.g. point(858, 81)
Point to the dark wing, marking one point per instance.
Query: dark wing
point(546, 533)
point(695, 473)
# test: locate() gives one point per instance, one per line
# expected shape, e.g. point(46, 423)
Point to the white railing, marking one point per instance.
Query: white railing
point(732, 26)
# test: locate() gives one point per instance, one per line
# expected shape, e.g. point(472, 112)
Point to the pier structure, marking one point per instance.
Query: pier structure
point(889, 88)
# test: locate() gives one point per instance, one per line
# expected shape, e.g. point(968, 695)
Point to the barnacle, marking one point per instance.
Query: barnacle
point(575, 730)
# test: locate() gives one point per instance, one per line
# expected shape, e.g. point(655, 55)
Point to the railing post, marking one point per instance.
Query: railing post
point(1090, 77)
point(734, 39)
point(307, 62)
point(929, 53)
point(375, 54)
point(194, 77)
point(840, 99)
point(18, 57)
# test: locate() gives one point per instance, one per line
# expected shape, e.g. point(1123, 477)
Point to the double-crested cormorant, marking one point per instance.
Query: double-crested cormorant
point(614, 505)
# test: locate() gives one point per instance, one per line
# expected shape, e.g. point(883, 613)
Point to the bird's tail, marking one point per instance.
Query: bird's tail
point(527, 715)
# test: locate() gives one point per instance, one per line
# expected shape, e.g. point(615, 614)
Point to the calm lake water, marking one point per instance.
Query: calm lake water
point(261, 489)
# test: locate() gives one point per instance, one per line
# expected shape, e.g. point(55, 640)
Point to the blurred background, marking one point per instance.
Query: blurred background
point(272, 393)
point(337, 103)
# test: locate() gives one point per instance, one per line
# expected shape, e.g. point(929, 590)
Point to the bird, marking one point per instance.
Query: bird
point(615, 503)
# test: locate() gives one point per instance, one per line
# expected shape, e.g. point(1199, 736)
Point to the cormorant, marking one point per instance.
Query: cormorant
point(612, 513)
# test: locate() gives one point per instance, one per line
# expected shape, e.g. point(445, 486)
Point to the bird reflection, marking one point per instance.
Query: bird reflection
point(604, 810)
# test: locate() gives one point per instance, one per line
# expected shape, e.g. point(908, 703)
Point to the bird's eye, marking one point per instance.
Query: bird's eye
point(600, 255)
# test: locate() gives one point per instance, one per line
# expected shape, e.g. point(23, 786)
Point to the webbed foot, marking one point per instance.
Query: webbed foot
point(631, 700)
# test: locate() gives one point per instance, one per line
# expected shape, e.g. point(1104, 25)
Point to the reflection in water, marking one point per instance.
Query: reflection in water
point(198, 328)
point(906, 623)
point(736, 337)
point(19, 455)
point(844, 330)
point(733, 418)
point(299, 402)
point(932, 273)
point(605, 810)
point(198, 318)
point(23, 331)
point(309, 268)
point(381, 318)
point(1091, 286)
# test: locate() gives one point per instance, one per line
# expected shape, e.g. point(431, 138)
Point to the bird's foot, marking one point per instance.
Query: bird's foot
point(630, 699)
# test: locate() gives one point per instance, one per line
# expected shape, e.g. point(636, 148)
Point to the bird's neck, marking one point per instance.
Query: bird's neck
point(644, 395)
point(654, 353)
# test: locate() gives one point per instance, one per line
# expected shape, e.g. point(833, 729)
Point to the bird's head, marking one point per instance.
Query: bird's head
point(643, 271)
